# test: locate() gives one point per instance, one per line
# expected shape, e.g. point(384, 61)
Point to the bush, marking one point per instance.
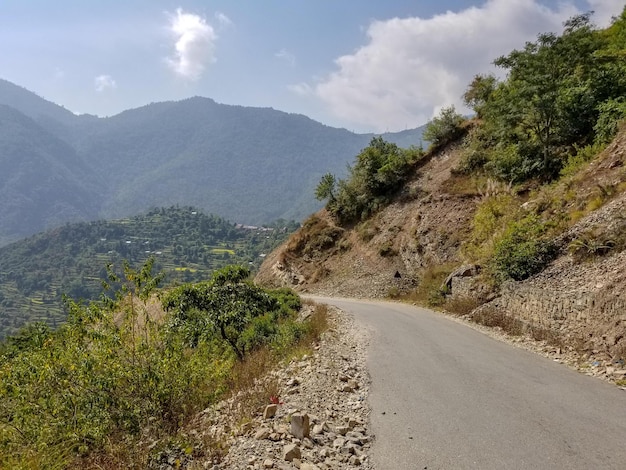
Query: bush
point(612, 113)
point(522, 250)
point(377, 173)
point(386, 250)
point(119, 374)
point(444, 128)
point(583, 155)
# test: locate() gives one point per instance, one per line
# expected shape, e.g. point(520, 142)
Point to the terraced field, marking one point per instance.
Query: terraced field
point(187, 245)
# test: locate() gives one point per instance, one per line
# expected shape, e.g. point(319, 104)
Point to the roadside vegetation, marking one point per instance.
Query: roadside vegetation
point(533, 134)
point(119, 382)
point(374, 178)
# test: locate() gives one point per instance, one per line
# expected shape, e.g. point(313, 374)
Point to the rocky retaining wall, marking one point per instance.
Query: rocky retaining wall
point(584, 303)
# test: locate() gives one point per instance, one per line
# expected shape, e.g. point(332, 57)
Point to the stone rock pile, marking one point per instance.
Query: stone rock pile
point(321, 420)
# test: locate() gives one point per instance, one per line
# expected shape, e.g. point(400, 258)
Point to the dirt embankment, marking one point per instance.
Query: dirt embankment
point(424, 226)
point(580, 297)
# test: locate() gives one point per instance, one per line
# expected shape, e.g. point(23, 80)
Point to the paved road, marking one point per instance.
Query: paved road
point(445, 396)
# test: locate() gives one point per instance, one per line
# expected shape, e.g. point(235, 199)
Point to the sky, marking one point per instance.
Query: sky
point(364, 65)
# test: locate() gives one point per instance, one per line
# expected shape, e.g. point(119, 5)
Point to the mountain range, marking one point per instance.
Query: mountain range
point(250, 165)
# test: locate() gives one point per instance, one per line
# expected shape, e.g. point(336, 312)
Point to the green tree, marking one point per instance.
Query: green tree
point(227, 303)
point(479, 92)
point(444, 128)
point(326, 188)
point(377, 172)
point(549, 100)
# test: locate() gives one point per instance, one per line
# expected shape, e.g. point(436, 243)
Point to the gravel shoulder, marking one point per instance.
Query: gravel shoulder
point(322, 418)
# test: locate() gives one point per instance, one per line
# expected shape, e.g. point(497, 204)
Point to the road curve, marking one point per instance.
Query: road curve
point(445, 396)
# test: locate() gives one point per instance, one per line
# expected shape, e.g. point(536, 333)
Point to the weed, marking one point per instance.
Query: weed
point(580, 158)
point(458, 305)
point(366, 230)
point(522, 250)
point(393, 293)
point(386, 250)
point(590, 245)
point(495, 318)
point(429, 290)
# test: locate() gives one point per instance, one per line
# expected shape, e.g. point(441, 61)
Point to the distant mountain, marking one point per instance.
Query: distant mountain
point(43, 182)
point(251, 165)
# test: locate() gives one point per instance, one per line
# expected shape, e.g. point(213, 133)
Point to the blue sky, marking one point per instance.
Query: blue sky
point(360, 64)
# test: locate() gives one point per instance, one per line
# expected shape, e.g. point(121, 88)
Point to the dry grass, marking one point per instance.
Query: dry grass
point(315, 236)
point(494, 318)
point(458, 305)
point(428, 291)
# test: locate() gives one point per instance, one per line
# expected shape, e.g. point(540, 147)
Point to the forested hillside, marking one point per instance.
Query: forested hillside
point(187, 245)
point(250, 165)
point(43, 182)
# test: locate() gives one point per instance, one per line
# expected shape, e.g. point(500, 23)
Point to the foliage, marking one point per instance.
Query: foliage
point(225, 304)
point(522, 251)
point(444, 128)
point(596, 242)
point(560, 91)
point(479, 92)
point(580, 156)
point(377, 172)
point(491, 218)
point(431, 290)
point(186, 243)
point(242, 314)
point(326, 188)
point(117, 373)
point(611, 113)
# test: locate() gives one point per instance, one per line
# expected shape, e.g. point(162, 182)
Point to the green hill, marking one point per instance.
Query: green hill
point(186, 244)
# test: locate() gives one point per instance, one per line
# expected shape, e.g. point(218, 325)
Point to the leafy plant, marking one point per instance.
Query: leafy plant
point(120, 372)
point(444, 128)
point(522, 250)
point(378, 171)
point(611, 113)
point(226, 304)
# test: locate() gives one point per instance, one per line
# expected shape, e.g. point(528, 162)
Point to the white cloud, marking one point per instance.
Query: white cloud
point(194, 47)
point(104, 82)
point(412, 67)
point(605, 10)
point(222, 19)
point(302, 89)
point(287, 56)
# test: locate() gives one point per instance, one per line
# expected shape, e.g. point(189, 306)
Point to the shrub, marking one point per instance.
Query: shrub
point(522, 250)
point(612, 113)
point(386, 250)
point(377, 173)
point(116, 377)
point(583, 155)
point(444, 128)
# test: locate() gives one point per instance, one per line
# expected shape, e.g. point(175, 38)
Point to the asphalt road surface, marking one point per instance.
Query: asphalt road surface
point(445, 396)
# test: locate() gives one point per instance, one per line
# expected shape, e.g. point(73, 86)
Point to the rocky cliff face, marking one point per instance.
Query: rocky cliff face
point(579, 296)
